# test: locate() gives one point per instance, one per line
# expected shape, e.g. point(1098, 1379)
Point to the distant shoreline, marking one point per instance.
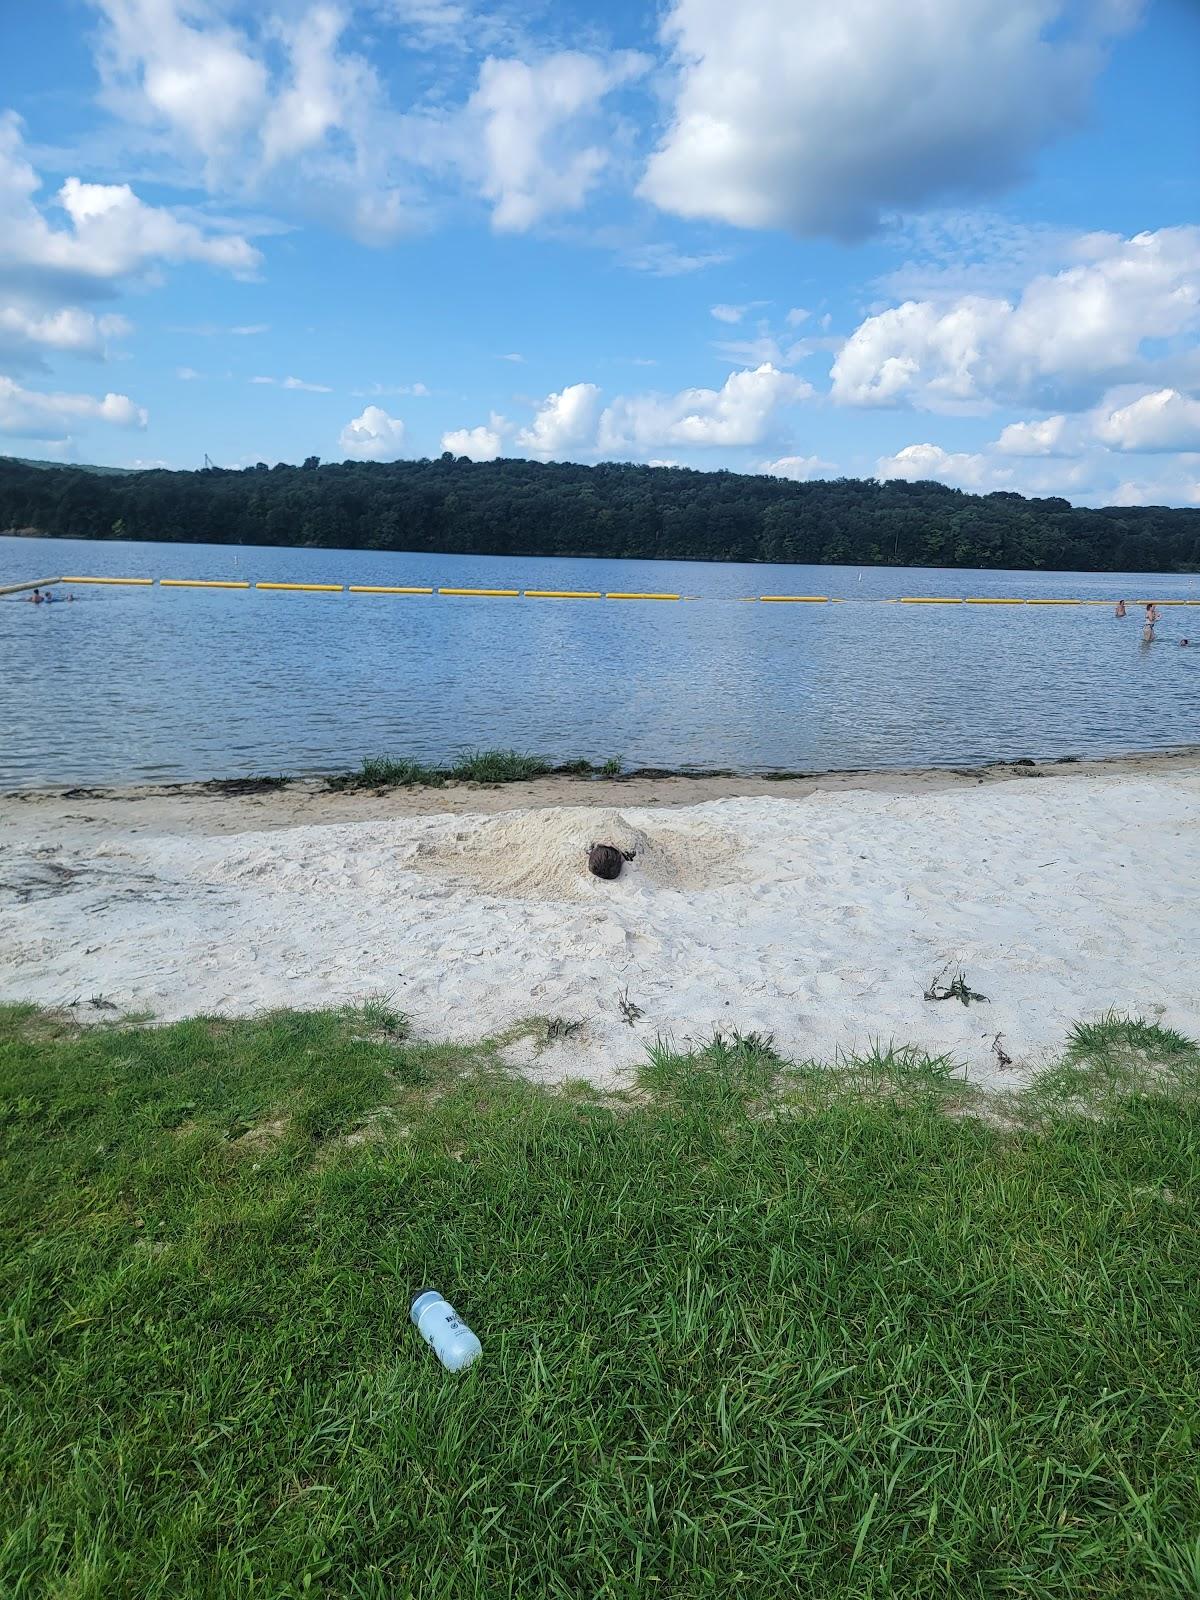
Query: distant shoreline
point(1181, 571)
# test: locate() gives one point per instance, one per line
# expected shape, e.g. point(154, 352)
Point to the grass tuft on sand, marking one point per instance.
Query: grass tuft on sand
point(750, 1327)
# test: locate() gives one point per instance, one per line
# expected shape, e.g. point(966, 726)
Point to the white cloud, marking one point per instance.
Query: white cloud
point(821, 117)
point(323, 87)
point(1090, 476)
point(728, 313)
point(796, 316)
point(372, 436)
point(187, 374)
point(532, 120)
point(1044, 438)
point(565, 421)
point(32, 414)
point(918, 462)
point(513, 356)
point(112, 234)
point(213, 330)
point(26, 334)
point(203, 81)
point(800, 469)
point(741, 412)
point(1164, 420)
point(479, 444)
point(419, 390)
point(296, 383)
point(275, 103)
point(1067, 337)
point(661, 260)
point(1178, 488)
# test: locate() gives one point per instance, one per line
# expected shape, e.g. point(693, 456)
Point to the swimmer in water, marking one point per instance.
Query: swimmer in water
point(36, 598)
point(1119, 609)
point(1151, 613)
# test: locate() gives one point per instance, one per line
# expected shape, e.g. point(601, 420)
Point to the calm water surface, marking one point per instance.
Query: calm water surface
point(128, 685)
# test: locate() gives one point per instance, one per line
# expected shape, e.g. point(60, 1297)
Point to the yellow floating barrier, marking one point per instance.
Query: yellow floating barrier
point(384, 588)
point(1053, 602)
point(563, 594)
point(613, 595)
point(986, 600)
point(929, 600)
point(203, 583)
point(324, 588)
point(142, 583)
point(796, 599)
point(514, 594)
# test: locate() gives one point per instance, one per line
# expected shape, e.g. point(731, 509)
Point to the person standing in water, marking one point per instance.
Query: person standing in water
point(1151, 613)
point(36, 598)
point(1119, 610)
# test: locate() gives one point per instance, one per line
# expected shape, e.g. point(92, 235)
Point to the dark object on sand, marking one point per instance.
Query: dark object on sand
point(606, 861)
point(956, 989)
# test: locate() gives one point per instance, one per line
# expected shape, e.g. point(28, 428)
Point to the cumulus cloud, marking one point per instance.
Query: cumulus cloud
point(372, 436)
point(820, 118)
point(478, 444)
point(29, 413)
point(532, 118)
point(918, 462)
point(111, 233)
point(1164, 420)
point(1068, 336)
point(728, 313)
point(202, 80)
point(1090, 475)
point(27, 334)
point(741, 412)
point(800, 469)
point(1044, 438)
point(275, 103)
point(564, 422)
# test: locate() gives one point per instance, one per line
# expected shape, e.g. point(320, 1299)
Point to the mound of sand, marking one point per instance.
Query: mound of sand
point(542, 855)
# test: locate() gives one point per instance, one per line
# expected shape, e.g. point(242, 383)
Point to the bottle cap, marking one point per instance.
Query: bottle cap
point(413, 1300)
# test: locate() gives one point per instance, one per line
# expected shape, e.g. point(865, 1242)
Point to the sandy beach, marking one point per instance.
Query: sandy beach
point(816, 909)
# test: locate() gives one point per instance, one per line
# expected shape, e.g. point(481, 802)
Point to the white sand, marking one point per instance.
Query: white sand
point(819, 919)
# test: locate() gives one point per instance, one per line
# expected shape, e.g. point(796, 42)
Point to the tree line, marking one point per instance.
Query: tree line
point(510, 507)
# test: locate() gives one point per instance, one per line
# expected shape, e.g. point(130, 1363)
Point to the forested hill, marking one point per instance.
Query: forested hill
point(560, 509)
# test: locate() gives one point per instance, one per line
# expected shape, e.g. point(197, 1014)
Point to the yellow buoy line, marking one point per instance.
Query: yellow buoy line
point(589, 594)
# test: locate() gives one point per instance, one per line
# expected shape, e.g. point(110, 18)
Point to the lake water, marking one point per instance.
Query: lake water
point(157, 684)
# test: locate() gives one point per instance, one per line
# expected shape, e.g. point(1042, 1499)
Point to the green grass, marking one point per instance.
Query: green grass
point(498, 766)
point(748, 1329)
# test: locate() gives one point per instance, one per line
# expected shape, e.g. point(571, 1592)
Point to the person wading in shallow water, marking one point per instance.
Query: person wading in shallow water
point(1119, 609)
point(1151, 613)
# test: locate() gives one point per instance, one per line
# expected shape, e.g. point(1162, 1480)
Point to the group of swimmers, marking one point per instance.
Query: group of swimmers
point(1151, 620)
point(37, 598)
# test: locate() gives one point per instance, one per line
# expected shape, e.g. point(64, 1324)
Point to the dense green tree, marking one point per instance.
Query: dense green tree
point(561, 509)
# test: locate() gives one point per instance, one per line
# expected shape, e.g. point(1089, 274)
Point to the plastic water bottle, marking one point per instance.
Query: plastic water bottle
point(441, 1326)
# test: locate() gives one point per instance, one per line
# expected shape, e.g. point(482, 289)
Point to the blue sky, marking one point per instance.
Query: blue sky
point(956, 239)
